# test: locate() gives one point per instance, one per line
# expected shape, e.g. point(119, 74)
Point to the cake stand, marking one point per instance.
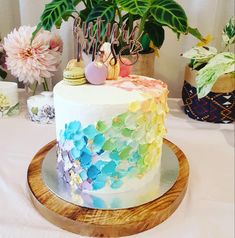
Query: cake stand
point(104, 222)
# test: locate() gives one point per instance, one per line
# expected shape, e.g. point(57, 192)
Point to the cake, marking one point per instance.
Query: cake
point(110, 136)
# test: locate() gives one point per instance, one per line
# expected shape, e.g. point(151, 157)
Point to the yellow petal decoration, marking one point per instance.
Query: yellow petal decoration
point(134, 106)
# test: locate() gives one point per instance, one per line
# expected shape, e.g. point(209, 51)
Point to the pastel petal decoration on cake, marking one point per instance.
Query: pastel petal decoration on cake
point(109, 152)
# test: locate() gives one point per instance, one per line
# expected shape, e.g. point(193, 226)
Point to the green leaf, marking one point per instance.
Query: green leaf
point(13, 110)
point(156, 33)
point(221, 64)
point(145, 42)
point(53, 14)
point(139, 7)
point(105, 10)
point(200, 53)
point(54, 11)
point(170, 13)
point(3, 74)
point(76, 2)
point(195, 32)
point(228, 35)
point(84, 14)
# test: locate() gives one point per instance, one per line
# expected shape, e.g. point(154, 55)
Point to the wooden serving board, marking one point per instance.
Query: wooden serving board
point(104, 223)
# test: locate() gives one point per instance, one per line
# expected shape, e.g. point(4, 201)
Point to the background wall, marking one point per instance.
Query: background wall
point(208, 15)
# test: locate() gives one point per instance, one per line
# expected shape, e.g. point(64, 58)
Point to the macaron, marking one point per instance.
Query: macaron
point(113, 70)
point(74, 63)
point(74, 76)
point(96, 73)
point(125, 67)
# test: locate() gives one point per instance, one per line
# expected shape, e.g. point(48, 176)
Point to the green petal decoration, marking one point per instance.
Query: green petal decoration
point(125, 153)
point(109, 145)
point(139, 7)
point(127, 132)
point(119, 121)
point(221, 64)
point(101, 126)
point(105, 10)
point(143, 149)
point(170, 13)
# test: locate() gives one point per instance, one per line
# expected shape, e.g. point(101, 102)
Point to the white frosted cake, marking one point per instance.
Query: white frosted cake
point(110, 136)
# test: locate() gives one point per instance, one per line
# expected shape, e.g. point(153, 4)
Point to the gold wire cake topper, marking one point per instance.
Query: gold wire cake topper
point(91, 36)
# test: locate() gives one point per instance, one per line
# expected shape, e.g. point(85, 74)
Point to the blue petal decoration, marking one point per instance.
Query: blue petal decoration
point(109, 168)
point(85, 159)
point(101, 177)
point(68, 135)
point(74, 126)
point(79, 144)
point(99, 141)
point(118, 174)
point(116, 184)
point(75, 153)
point(86, 139)
point(132, 170)
point(86, 150)
point(98, 184)
point(92, 172)
point(78, 136)
point(114, 155)
point(135, 157)
point(83, 175)
point(100, 164)
point(90, 131)
point(100, 152)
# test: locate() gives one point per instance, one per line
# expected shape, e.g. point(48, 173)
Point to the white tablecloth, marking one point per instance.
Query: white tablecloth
point(207, 210)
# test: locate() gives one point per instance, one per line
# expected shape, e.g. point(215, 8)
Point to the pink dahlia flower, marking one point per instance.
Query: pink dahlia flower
point(31, 62)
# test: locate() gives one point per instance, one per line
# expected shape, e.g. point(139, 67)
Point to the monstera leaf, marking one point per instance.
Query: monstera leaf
point(135, 6)
point(170, 13)
point(105, 10)
point(222, 63)
point(54, 13)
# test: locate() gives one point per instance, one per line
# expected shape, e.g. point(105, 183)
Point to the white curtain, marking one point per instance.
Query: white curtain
point(208, 15)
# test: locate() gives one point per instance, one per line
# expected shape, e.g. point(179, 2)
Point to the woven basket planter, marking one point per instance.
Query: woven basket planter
point(218, 106)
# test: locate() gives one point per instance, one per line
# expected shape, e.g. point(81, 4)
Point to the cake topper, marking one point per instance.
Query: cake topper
point(91, 36)
point(106, 44)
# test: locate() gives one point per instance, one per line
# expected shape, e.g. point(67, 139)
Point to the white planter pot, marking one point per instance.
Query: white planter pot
point(41, 108)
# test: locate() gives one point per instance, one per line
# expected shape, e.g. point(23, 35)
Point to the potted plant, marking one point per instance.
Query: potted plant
point(152, 17)
point(208, 91)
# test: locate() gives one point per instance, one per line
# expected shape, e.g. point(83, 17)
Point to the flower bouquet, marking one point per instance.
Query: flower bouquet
point(33, 62)
point(208, 91)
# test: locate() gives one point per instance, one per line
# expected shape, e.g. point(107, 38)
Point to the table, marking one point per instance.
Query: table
point(207, 210)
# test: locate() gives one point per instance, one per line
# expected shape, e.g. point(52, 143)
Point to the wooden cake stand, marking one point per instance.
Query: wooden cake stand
point(104, 223)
